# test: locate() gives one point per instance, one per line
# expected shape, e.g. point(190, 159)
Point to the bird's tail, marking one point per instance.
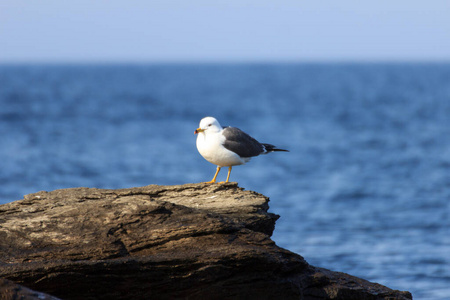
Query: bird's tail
point(271, 148)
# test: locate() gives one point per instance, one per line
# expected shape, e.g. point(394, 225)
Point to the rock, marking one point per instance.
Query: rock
point(193, 241)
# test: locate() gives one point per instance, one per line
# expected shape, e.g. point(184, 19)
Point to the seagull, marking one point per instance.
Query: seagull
point(227, 146)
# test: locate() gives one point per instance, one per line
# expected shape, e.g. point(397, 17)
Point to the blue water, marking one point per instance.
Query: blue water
point(365, 187)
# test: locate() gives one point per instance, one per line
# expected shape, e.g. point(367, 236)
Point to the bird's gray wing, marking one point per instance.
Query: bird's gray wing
point(241, 143)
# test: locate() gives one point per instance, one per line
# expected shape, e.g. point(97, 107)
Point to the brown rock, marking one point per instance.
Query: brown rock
point(194, 241)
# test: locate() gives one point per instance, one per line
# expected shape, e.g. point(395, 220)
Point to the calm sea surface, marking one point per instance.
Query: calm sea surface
point(365, 187)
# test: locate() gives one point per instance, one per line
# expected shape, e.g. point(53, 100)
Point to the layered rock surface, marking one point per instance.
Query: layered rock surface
point(193, 241)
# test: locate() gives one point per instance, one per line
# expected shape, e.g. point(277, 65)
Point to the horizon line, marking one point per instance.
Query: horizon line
point(223, 61)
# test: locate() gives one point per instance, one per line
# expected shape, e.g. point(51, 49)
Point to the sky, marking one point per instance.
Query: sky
point(223, 30)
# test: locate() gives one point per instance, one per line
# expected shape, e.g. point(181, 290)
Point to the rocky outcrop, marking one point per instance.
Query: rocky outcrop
point(194, 241)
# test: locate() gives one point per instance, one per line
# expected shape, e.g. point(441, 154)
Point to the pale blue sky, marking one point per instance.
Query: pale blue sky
point(223, 30)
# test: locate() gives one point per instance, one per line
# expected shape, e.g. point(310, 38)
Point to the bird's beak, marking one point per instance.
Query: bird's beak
point(198, 130)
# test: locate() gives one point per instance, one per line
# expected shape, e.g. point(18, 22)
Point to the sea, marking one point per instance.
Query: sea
point(365, 188)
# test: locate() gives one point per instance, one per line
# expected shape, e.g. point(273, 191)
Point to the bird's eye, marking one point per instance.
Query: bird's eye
point(209, 125)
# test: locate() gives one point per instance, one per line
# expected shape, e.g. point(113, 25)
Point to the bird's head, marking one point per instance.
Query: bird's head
point(209, 124)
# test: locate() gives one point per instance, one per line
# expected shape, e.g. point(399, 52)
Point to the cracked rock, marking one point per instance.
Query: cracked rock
point(193, 241)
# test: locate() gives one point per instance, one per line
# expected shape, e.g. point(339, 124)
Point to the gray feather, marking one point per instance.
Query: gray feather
point(241, 143)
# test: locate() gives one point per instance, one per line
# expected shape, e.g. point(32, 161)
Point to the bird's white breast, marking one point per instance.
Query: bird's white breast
point(210, 146)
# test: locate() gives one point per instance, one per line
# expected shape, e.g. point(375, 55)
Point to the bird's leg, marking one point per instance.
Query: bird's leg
point(215, 175)
point(228, 176)
point(229, 172)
